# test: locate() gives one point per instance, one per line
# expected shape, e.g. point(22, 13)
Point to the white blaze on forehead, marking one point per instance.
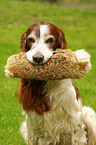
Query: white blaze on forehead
point(44, 29)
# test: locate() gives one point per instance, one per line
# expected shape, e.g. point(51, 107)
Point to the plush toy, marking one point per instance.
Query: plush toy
point(62, 65)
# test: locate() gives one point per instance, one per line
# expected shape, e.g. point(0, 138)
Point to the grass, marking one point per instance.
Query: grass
point(79, 25)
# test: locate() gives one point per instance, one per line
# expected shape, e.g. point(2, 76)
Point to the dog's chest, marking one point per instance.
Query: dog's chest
point(55, 124)
point(52, 127)
point(51, 124)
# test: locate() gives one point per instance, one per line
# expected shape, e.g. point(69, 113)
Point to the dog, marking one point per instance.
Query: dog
point(53, 109)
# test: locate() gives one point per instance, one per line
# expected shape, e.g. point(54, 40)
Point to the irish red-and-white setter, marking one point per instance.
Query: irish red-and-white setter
point(53, 109)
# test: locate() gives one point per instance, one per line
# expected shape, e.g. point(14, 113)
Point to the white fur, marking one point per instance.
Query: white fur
point(40, 45)
point(24, 132)
point(43, 31)
point(90, 122)
point(83, 56)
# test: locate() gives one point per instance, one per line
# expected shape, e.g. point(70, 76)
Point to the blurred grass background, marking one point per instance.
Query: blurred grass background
point(76, 18)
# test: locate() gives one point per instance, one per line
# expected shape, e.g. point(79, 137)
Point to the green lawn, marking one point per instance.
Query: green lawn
point(79, 25)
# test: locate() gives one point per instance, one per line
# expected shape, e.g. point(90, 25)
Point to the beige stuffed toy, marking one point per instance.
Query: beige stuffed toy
point(63, 64)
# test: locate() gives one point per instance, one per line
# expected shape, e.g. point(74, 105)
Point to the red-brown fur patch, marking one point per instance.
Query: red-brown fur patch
point(58, 34)
point(33, 97)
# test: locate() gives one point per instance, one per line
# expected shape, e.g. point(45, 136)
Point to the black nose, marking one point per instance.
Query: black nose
point(38, 57)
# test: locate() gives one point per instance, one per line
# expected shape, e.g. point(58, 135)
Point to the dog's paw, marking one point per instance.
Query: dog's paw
point(8, 73)
point(84, 57)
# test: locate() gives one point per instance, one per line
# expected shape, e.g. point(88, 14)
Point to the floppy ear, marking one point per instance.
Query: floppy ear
point(23, 42)
point(63, 43)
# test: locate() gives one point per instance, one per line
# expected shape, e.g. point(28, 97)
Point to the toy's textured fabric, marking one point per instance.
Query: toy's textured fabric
point(62, 65)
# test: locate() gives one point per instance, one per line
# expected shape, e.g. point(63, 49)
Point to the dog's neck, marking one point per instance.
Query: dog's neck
point(42, 96)
point(63, 94)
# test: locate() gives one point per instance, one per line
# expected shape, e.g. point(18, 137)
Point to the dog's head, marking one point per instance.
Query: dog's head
point(41, 40)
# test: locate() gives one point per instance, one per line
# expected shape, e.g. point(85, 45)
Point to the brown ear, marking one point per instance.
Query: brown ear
point(23, 42)
point(63, 43)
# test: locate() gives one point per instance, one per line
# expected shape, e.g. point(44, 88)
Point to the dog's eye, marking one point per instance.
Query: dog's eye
point(50, 40)
point(31, 40)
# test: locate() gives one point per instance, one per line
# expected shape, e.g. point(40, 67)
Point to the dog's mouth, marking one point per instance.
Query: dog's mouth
point(39, 58)
point(40, 63)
